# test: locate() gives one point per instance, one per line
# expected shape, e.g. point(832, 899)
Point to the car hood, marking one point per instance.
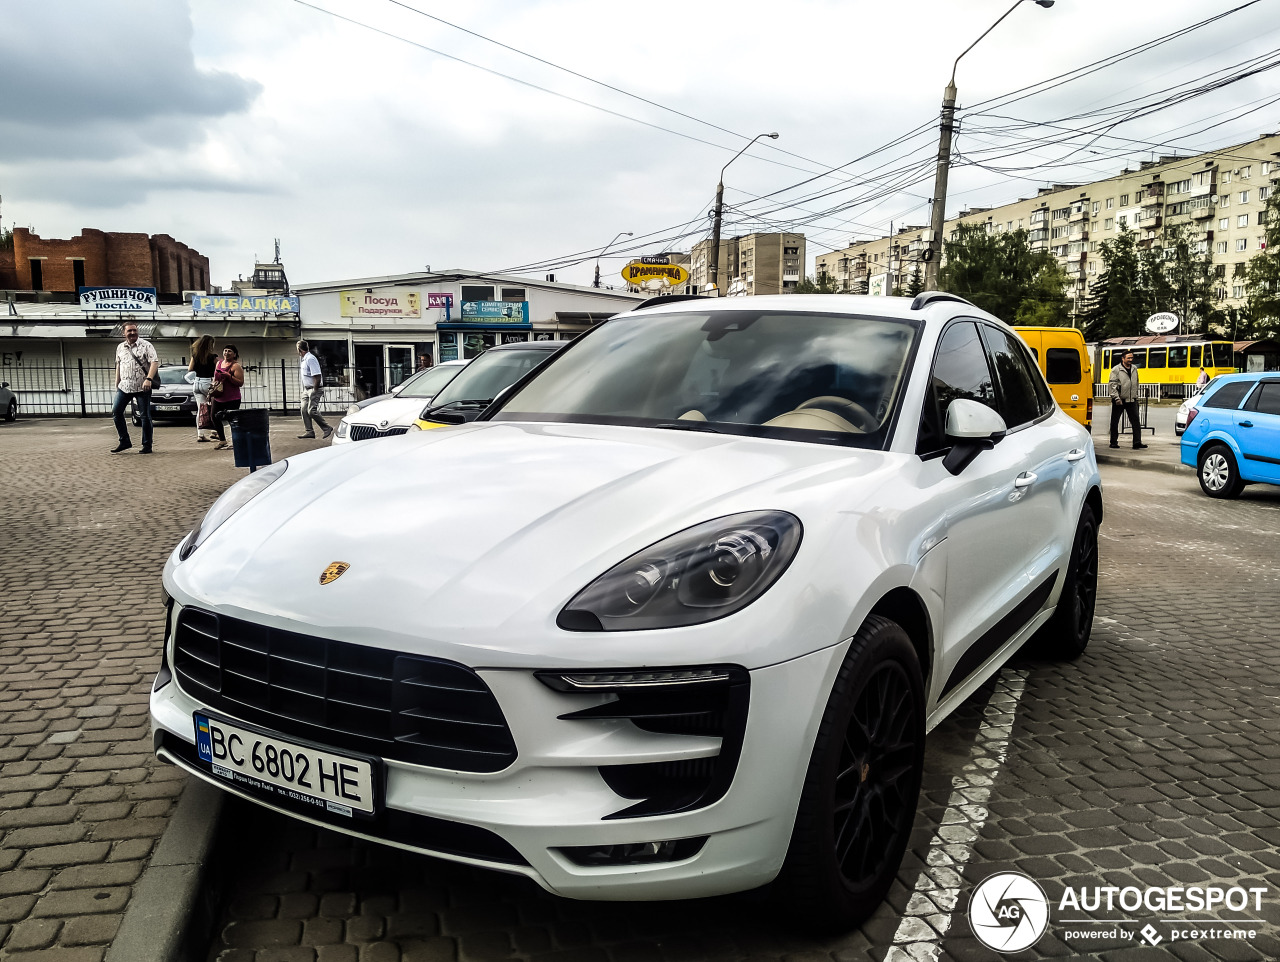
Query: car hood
point(395, 411)
point(466, 533)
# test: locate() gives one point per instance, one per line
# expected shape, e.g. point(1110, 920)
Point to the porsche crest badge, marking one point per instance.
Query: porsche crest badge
point(333, 572)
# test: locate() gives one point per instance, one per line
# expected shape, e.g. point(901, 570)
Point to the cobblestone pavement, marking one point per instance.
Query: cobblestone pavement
point(83, 536)
point(1153, 760)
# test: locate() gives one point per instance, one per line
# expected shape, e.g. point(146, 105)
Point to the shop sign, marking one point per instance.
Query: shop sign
point(245, 304)
point(380, 303)
point(638, 273)
point(878, 285)
point(117, 298)
point(439, 300)
point(495, 312)
point(655, 259)
point(1162, 323)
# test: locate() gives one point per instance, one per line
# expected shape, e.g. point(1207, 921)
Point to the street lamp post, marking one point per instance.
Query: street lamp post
point(625, 233)
point(715, 228)
point(944, 158)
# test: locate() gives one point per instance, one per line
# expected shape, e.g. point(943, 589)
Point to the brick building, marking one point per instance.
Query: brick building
point(95, 258)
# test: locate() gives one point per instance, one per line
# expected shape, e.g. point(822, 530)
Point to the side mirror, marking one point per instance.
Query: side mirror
point(973, 428)
point(972, 420)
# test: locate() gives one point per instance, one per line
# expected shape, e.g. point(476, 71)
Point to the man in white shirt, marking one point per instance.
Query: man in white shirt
point(312, 392)
point(137, 372)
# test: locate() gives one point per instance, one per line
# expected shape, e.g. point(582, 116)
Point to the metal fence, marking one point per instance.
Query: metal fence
point(81, 389)
point(1152, 392)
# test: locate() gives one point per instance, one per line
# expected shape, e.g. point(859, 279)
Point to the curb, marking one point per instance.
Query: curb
point(1168, 467)
point(164, 909)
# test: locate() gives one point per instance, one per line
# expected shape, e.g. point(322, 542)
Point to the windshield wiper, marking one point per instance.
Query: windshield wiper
point(702, 426)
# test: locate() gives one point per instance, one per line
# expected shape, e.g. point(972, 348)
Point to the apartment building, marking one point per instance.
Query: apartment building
point(751, 264)
point(1219, 195)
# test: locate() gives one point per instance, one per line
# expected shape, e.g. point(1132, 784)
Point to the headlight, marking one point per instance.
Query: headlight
point(343, 428)
point(232, 500)
point(353, 409)
point(700, 574)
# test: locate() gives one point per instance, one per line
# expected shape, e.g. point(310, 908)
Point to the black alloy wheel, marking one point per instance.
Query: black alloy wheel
point(860, 792)
point(1066, 634)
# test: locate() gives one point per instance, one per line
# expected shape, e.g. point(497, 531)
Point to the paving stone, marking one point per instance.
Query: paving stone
point(91, 930)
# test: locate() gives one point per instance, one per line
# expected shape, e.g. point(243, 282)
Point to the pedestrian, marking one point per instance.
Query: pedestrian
point(424, 362)
point(312, 393)
point(1124, 400)
point(137, 372)
point(228, 378)
point(1202, 381)
point(204, 361)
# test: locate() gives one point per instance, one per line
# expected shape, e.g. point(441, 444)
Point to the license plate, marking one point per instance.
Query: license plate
point(289, 771)
point(167, 407)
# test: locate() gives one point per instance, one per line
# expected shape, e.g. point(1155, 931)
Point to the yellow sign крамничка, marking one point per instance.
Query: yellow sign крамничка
point(638, 273)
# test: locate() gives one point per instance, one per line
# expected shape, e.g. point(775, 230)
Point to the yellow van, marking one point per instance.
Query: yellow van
point(1064, 362)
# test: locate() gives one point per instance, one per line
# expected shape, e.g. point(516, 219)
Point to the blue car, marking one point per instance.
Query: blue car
point(1232, 436)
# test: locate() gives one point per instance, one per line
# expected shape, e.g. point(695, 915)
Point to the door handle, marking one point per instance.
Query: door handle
point(1024, 479)
point(1246, 424)
point(1075, 454)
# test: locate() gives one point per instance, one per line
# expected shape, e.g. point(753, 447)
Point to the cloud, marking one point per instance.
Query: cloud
point(105, 80)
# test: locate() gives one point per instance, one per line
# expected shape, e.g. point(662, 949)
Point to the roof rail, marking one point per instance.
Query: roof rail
point(928, 297)
point(667, 299)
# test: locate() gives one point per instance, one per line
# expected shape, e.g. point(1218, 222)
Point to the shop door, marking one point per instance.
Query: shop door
point(399, 363)
point(369, 378)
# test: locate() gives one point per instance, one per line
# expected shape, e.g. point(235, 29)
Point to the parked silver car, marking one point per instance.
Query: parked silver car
point(8, 402)
point(174, 399)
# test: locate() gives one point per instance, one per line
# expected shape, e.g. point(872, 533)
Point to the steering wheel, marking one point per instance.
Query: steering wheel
point(852, 412)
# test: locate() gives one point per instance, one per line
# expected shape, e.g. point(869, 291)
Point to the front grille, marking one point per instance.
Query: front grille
point(414, 709)
point(364, 432)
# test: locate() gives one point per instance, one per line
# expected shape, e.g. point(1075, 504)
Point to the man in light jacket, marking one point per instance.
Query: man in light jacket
point(1124, 400)
point(312, 392)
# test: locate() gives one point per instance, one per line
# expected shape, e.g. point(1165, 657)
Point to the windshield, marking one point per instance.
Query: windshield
point(831, 378)
point(173, 375)
point(483, 378)
point(428, 383)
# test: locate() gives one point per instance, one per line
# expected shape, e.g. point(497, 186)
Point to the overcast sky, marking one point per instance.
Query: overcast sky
point(227, 123)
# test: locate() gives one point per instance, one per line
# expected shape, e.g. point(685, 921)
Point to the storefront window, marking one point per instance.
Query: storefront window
point(334, 361)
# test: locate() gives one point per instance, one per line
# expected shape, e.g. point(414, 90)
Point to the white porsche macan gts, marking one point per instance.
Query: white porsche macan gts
point(671, 619)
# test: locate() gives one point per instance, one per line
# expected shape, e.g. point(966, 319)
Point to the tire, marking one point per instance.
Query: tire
point(11, 412)
point(1218, 473)
point(860, 792)
point(1066, 634)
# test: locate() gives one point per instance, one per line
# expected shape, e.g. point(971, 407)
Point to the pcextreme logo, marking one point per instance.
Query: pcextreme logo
point(1008, 912)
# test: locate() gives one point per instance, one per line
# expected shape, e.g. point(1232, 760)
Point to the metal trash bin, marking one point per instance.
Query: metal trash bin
point(251, 438)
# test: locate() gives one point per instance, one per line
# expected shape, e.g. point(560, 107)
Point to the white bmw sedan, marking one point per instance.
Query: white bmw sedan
point(670, 620)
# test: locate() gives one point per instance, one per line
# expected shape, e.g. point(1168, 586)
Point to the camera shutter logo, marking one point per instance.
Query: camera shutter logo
point(1008, 912)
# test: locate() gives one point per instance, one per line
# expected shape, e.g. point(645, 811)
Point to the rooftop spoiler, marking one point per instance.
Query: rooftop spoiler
point(667, 299)
point(928, 297)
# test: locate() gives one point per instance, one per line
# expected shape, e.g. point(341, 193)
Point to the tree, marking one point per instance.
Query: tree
point(916, 284)
point(1001, 274)
point(823, 284)
point(1188, 273)
point(1262, 277)
point(1116, 306)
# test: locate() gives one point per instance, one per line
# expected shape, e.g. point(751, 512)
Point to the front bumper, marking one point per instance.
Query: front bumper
point(561, 794)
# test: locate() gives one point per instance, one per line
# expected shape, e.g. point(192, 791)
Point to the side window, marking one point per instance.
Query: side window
point(1195, 355)
point(1021, 400)
point(1063, 365)
point(1267, 398)
point(1228, 395)
point(959, 371)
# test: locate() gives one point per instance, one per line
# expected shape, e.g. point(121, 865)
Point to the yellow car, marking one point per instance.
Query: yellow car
point(1064, 361)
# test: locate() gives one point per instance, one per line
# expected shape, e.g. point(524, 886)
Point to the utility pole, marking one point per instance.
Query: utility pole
point(938, 220)
point(715, 227)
